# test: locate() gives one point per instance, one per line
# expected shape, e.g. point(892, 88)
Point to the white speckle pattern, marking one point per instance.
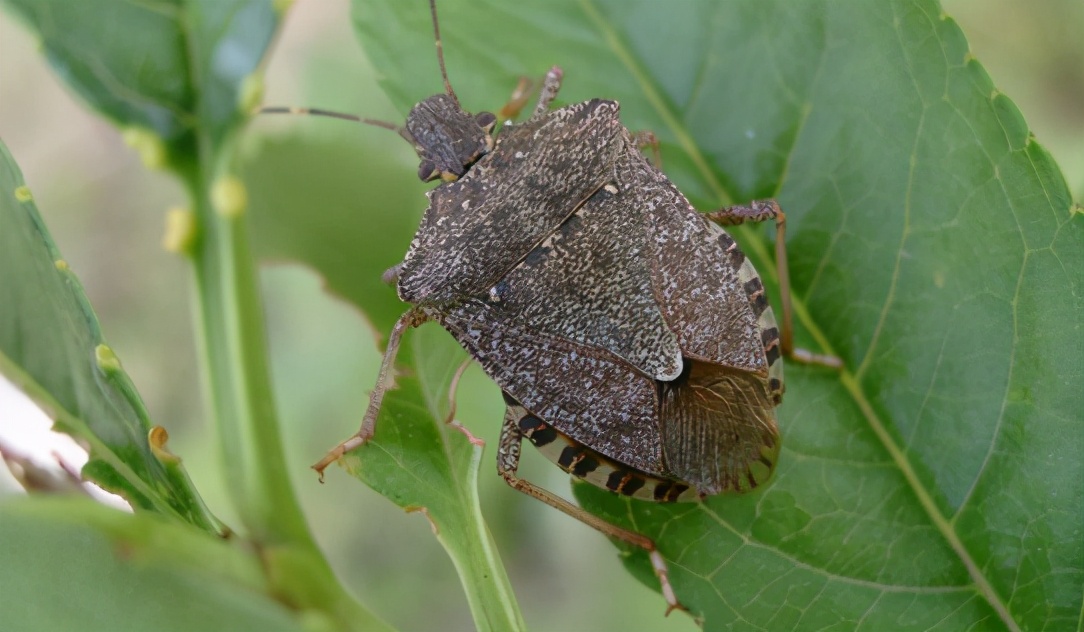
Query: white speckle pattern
point(591, 291)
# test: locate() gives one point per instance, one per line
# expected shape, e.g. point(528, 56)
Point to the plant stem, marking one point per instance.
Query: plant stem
point(237, 376)
point(237, 381)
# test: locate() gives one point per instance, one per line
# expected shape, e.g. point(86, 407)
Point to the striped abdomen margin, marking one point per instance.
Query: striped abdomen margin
point(762, 310)
point(583, 462)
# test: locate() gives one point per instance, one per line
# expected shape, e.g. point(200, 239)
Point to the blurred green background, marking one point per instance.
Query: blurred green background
point(106, 213)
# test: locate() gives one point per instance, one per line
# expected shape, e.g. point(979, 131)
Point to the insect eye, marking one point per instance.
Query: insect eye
point(427, 171)
point(486, 120)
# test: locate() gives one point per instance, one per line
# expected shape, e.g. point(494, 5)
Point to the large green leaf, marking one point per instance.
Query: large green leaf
point(172, 67)
point(181, 76)
point(179, 73)
point(69, 563)
point(936, 482)
point(52, 347)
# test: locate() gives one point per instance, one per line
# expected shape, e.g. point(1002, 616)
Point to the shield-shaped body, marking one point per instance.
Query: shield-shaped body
point(606, 308)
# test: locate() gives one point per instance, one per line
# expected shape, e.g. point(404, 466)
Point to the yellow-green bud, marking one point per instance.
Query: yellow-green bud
point(229, 196)
point(106, 359)
point(152, 151)
point(157, 438)
point(180, 232)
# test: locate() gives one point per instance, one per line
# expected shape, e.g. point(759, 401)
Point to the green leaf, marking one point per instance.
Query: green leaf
point(420, 468)
point(934, 249)
point(181, 76)
point(936, 483)
point(174, 68)
point(182, 73)
point(70, 563)
point(52, 347)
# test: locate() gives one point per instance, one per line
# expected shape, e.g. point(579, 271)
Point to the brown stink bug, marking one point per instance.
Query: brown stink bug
point(632, 339)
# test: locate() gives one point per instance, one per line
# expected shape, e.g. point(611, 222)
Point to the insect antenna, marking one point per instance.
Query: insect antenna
point(440, 53)
point(402, 131)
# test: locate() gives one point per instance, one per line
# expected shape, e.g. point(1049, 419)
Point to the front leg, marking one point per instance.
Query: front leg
point(414, 317)
point(551, 85)
point(646, 139)
point(518, 99)
point(759, 211)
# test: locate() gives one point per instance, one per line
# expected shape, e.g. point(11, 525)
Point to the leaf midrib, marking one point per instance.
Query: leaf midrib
point(847, 378)
point(464, 489)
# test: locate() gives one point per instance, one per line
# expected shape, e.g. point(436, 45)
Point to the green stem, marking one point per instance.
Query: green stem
point(237, 381)
point(237, 375)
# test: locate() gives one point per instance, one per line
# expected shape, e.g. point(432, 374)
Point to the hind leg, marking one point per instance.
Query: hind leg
point(508, 452)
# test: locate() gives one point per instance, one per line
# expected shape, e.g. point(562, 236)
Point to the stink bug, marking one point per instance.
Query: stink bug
point(632, 339)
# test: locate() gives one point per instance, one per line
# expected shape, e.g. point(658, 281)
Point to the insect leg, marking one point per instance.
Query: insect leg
point(412, 318)
point(450, 417)
point(551, 85)
point(647, 138)
point(518, 99)
point(391, 275)
point(508, 451)
point(759, 211)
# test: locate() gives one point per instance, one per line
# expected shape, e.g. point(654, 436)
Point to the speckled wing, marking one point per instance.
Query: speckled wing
point(696, 283)
point(589, 282)
point(585, 392)
point(717, 419)
point(479, 226)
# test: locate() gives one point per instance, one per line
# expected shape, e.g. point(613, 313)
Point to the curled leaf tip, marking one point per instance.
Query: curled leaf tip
point(23, 194)
point(157, 437)
point(229, 196)
point(180, 232)
point(106, 359)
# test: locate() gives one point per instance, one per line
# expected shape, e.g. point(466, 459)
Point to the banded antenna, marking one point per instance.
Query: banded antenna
point(402, 131)
point(440, 54)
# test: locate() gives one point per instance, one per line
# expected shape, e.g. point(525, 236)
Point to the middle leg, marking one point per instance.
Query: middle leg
point(759, 211)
